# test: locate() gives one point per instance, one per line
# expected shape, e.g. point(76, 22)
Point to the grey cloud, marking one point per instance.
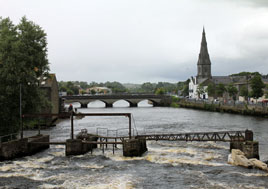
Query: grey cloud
point(259, 3)
point(154, 40)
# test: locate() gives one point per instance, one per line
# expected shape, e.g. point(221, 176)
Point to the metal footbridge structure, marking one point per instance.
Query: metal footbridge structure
point(220, 136)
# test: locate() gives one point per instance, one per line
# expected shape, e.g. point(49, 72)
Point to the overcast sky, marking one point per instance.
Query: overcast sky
point(147, 40)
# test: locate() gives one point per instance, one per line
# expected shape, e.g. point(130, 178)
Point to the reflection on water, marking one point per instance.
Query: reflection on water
point(166, 164)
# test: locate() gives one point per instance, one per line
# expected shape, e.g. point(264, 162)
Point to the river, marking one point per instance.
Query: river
point(167, 164)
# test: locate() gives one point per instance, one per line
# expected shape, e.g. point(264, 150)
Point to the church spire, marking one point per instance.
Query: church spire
point(204, 64)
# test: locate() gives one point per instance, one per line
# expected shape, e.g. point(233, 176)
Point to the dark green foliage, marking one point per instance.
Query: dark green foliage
point(70, 87)
point(244, 92)
point(185, 91)
point(220, 89)
point(168, 87)
point(211, 90)
point(246, 74)
point(23, 59)
point(92, 91)
point(266, 91)
point(148, 87)
point(232, 90)
point(160, 91)
point(175, 99)
point(257, 86)
point(115, 86)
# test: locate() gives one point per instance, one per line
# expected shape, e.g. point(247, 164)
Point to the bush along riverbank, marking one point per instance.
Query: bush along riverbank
point(243, 109)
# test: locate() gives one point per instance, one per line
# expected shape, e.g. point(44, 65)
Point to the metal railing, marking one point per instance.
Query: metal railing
point(122, 132)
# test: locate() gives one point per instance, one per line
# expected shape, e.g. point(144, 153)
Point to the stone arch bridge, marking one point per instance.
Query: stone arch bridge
point(109, 99)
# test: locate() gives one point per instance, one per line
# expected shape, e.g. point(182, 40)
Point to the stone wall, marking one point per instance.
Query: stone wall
point(22, 147)
point(13, 149)
point(237, 109)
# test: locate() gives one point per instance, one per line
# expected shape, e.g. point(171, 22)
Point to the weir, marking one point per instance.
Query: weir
point(133, 145)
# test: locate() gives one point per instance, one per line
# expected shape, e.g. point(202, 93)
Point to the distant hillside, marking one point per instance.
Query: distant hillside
point(131, 85)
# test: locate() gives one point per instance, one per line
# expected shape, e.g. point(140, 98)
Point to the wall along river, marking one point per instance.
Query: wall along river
point(167, 164)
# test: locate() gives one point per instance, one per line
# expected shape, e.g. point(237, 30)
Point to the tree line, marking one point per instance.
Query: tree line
point(73, 87)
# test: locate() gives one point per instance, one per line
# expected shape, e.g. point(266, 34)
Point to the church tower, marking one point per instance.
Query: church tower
point(203, 64)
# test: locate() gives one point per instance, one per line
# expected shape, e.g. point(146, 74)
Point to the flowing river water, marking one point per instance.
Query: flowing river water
point(167, 164)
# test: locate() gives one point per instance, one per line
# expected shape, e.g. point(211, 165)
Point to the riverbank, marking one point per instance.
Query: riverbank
point(243, 109)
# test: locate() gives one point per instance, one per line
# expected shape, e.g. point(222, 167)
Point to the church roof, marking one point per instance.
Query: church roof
point(229, 79)
point(201, 80)
point(203, 55)
point(221, 79)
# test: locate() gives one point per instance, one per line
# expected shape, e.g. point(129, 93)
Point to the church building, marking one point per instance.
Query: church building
point(199, 83)
point(203, 71)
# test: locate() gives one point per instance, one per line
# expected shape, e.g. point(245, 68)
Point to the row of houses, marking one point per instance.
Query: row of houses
point(204, 77)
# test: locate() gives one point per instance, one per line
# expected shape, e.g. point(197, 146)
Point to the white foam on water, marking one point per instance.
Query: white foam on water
point(8, 167)
point(58, 146)
point(262, 174)
point(179, 160)
point(58, 154)
point(44, 159)
point(123, 158)
point(173, 150)
point(90, 166)
point(33, 163)
point(166, 156)
point(115, 181)
point(208, 144)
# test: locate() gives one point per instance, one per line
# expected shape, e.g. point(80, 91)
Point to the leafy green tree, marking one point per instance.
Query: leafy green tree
point(169, 87)
point(185, 91)
point(160, 91)
point(23, 60)
point(244, 92)
point(232, 90)
point(92, 91)
point(70, 92)
point(266, 91)
point(148, 87)
point(257, 86)
point(220, 89)
point(83, 85)
point(246, 74)
point(211, 90)
point(116, 87)
point(93, 84)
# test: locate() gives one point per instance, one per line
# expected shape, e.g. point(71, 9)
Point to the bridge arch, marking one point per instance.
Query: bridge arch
point(122, 103)
point(145, 103)
point(96, 104)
